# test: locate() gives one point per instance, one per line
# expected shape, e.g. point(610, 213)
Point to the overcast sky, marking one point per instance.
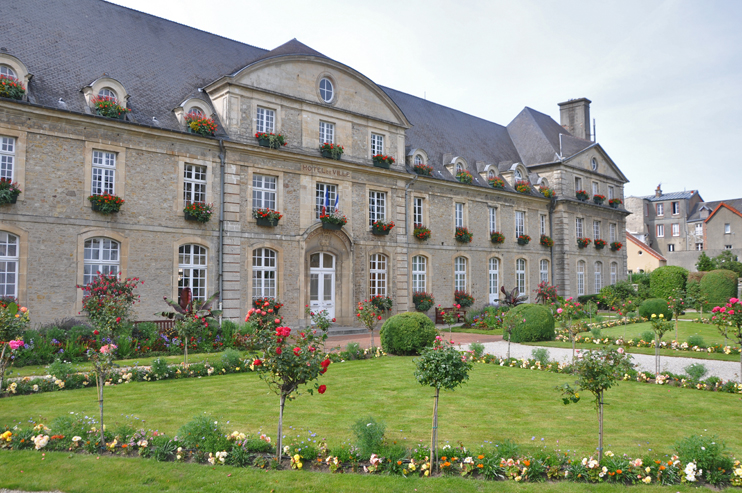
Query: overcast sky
point(665, 77)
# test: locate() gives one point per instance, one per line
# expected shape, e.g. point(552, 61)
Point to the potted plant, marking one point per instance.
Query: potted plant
point(421, 232)
point(523, 186)
point(109, 107)
point(106, 203)
point(616, 246)
point(524, 240)
point(382, 303)
point(267, 304)
point(381, 228)
point(496, 182)
point(423, 169)
point(547, 192)
point(583, 242)
point(11, 88)
point(333, 220)
point(497, 238)
point(266, 217)
point(382, 161)
point(463, 235)
point(615, 203)
point(546, 241)
point(600, 244)
point(423, 301)
point(599, 199)
point(196, 123)
point(582, 195)
point(464, 177)
point(271, 140)
point(463, 298)
point(198, 211)
point(9, 191)
point(331, 151)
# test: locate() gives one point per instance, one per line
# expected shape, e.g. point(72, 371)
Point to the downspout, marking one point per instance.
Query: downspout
point(220, 282)
point(407, 228)
point(552, 206)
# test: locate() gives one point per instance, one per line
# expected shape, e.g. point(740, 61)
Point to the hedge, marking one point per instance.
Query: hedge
point(538, 326)
point(655, 306)
point(665, 280)
point(407, 333)
point(718, 286)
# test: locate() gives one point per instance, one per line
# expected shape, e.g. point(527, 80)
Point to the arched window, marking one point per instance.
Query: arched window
point(101, 255)
point(419, 274)
point(418, 159)
point(580, 278)
point(517, 175)
point(107, 92)
point(377, 275)
point(614, 272)
point(598, 276)
point(494, 271)
point(543, 270)
point(459, 274)
point(192, 270)
point(7, 71)
point(8, 264)
point(491, 174)
point(520, 276)
point(263, 273)
point(196, 112)
point(459, 167)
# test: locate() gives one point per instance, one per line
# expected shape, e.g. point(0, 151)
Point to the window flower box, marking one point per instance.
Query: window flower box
point(600, 244)
point(599, 199)
point(267, 304)
point(9, 191)
point(382, 161)
point(464, 177)
point(582, 195)
point(270, 140)
point(497, 238)
point(615, 203)
point(616, 246)
point(198, 211)
point(547, 192)
point(524, 240)
point(106, 203)
point(333, 220)
point(331, 151)
point(463, 235)
point(463, 298)
point(266, 217)
point(382, 303)
point(546, 241)
point(109, 107)
point(423, 301)
point(11, 88)
point(421, 232)
point(583, 242)
point(381, 228)
point(197, 123)
point(423, 169)
point(496, 182)
point(523, 186)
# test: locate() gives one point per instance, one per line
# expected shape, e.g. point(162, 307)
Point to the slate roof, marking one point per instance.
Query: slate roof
point(537, 138)
point(696, 216)
point(671, 196)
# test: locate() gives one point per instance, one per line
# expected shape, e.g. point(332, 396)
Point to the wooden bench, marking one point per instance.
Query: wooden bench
point(460, 314)
point(161, 324)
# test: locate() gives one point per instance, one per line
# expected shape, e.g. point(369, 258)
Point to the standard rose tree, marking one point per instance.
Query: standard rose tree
point(13, 322)
point(366, 313)
point(728, 319)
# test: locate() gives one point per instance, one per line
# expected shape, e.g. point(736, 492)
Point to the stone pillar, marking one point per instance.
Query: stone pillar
point(232, 260)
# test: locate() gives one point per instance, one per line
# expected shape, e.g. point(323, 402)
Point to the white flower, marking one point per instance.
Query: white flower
point(40, 441)
point(142, 443)
point(76, 438)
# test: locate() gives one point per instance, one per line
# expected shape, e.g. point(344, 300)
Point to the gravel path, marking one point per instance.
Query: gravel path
point(726, 370)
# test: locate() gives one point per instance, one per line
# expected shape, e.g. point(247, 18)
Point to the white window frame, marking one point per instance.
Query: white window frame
point(326, 90)
point(675, 207)
point(580, 227)
point(10, 245)
point(103, 173)
point(419, 273)
point(660, 208)
point(100, 255)
point(612, 232)
point(459, 273)
point(7, 157)
point(264, 191)
point(264, 273)
point(265, 120)
point(493, 219)
point(598, 277)
point(417, 211)
point(520, 276)
point(107, 92)
point(610, 193)
point(517, 175)
point(727, 228)
point(614, 273)
point(326, 133)
point(418, 160)
point(520, 223)
point(376, 207)
point(543, 270)
point(377, 278)
point(542, 224)
point(596, 230)
point(578, 183)
point(194, 184)
point(676, 229)
point(699, 247)
point(596, 188)
point(660, 231)
point(377, 144)
point(459, 214)
point(7, 71)
point(319, 197)
point(699, 229)
point(494, 276)
point(193, 262)
point(581, 278)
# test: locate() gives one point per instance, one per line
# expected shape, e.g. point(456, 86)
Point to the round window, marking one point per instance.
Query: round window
point(326, 91)
point(594, 164)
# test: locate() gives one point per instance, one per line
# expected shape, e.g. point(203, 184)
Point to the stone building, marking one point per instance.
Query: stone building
point(60, 151)
point(641, 257)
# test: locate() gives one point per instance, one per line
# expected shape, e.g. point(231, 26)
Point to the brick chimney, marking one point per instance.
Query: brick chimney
point(575, 117)
point(658, 191)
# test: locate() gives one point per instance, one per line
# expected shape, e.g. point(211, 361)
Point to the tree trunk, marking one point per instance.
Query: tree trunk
point(656, 355)
point(676, 328)
point(2, 367)
point(186, 351)
point(600, 426)
point(372, 341)
point(279, 440)
point(434, 434)
point(572, 337)
point(99, 381)
point(740, 365)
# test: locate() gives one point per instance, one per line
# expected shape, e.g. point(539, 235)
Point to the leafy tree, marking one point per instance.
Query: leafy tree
point(676, 303)
point(546, 293)
point(366, 313)
point(191, 316)
point(728, 319)
point(728, 261)
point(704, 263)
point(451, 318)
point(694, 296)
point(660, 326)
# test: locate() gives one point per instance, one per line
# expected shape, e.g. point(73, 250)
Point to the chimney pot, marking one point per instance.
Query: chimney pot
point(575, 117)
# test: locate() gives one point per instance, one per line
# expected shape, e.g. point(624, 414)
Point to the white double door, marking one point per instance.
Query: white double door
point(322, 283)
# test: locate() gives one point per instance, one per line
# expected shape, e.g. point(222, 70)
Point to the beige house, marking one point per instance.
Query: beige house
point(641, 257)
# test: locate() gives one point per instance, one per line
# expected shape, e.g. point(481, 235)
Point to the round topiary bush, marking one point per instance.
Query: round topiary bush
point(538, 325)
point(718, 286)
point(407, 333)
point(657, 306)
point(665, 280)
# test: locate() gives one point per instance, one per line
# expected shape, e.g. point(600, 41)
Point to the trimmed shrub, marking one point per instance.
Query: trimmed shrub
point(657, 306)
point(665, 280)
point(695, 277)
point(407, 333)
point(620, 292)
point(718, 286)
point(539, 324)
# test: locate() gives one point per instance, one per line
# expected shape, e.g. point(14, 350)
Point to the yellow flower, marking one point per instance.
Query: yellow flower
point(654, 316)
point(662, 315)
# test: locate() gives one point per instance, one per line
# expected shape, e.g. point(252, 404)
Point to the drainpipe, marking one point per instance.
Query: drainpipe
point(407, 226)
point(222, 156)
point(552, 206)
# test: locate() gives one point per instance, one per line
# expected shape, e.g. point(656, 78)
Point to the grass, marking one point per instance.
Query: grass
point(463, 330)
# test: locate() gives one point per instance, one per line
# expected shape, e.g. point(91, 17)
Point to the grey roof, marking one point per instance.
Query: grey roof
point(695, 214)
point(671, 196)
point(537, 138)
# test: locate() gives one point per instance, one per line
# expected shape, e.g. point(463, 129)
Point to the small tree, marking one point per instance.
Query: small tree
point(704, 263)
point(566, 313)
point(366, 312)
point(597, 371)
point(13, 322)
point(191, 316)
point(728, 319)
point(319, 320)
point(450, 318)
point(695, 297)
point(546, 293)
point(440, 367)
point(676, 304)
point(660, 326)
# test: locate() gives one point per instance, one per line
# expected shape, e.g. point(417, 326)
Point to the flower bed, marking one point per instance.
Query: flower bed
point(274, 141)
point(583, 242)
point(382, 302)
point(463, 235)
point(331, 151)
point(9, 191)
point(423, 169)
point(421, 232)
point(497, 238)
point(106, 203)
point(270, 305)
point(199, 124)
point(383, 161)
point(109, 107)
point(496, 182)
point(11, 88)
point(523, 186)
point(546, 241)
point(333, 218)
point(464, 177)
point(266, 217)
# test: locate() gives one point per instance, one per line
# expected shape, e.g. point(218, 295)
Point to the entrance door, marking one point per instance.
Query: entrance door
point(322, 283)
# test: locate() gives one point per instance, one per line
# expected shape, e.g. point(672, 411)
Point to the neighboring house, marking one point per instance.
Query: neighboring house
point(60, 151)
point(641, 257)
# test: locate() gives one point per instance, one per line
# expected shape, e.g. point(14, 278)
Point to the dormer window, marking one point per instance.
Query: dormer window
point(7, 71)
point(517, 174)
point(491, 174)
point(107, 92)
point(459, 167)
point(14, 77)
point(418, 160)
point(196, 112)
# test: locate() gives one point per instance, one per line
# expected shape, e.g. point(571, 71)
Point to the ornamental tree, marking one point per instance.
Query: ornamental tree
point(191, 316)
point(660, 326)
point(288, 362)
point(441, 367)
point(728, 319)
point(676, 304)
point(567, 312)
point(450, 318)
point(13, 322)
point(366, 313)
point(319, 319)
point(597, 371)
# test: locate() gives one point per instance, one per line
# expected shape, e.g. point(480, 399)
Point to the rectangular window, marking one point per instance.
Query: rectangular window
point(266, 121)
point(7, 157)
point(596, 189)
point(614, 273)
point(459, 275)
point(417, 210)
point(676, 230)
point(675, 208)
point(699, 246)
point(579, 227)
point(612, 232)
point(520, 223)
point(459, 215)
point(194, 184)
point(598, 277)
point(377, 144)
point(376, 207)
point(520, 276)
point(660, 209)
point(699, 229)
point(264, 192)
point(543, 271)
point(104, 172)
point(419, 274)
point(377, 275)
point(542, 224)
point(326, 133)
point(578, 183)
point(325, 196)
point(596, 230)
point(727, 229)
point(610, 193)
point(660, 231)
point(670, 247)
point(493, 219)
point(580, 278)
